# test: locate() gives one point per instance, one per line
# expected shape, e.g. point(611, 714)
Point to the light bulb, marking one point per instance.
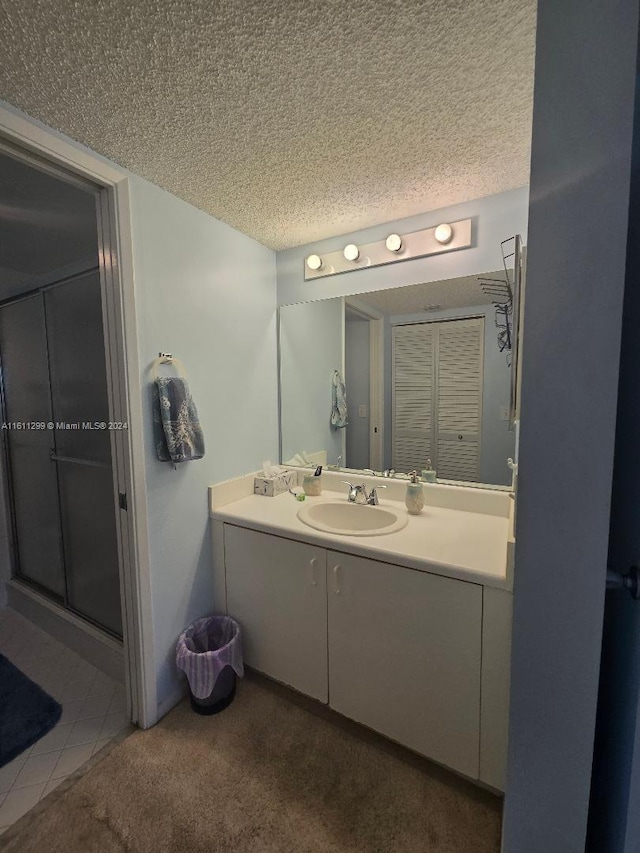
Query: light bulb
point(351, 252)
point(394, 242)
point(314, 262)
point(443, 233)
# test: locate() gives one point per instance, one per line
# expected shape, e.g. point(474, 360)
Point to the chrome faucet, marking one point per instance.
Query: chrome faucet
point(357, 494)
point(372, 499)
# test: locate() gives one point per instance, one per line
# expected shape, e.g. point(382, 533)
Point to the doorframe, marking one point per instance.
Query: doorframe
point(121, 344)
point(376, 379)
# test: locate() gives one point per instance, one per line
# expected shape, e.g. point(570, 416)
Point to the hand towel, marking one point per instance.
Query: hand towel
point(339, 418)
point(178, 435)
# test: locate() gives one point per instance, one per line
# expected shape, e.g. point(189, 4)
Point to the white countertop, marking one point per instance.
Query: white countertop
point(471, 546)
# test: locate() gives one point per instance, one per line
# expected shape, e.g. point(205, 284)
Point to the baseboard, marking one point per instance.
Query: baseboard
point(172, 700)
point(359, 730)
point(96, 647)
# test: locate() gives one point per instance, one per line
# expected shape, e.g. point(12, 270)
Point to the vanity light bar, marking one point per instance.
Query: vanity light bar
point(445, 237)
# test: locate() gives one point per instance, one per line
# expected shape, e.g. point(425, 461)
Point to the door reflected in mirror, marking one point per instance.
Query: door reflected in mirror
point(427, 377)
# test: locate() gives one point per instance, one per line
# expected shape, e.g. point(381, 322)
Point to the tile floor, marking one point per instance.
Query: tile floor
point(93, 712)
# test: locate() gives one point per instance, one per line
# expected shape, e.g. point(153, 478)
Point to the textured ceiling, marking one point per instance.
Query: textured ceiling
point(291, 120)
point(461, 292)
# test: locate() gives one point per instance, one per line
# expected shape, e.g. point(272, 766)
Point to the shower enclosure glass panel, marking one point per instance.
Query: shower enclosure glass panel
point(83, 449)
point(62, 489)
point(27, 404)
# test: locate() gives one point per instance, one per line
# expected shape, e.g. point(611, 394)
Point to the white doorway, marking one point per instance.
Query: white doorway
point(42, 151)
point(364, 374)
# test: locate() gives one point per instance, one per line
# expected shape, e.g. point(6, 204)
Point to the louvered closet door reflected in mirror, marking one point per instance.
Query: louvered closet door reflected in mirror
point(437, 384)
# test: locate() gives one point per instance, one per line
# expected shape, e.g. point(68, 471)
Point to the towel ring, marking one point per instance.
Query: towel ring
point(170, 360)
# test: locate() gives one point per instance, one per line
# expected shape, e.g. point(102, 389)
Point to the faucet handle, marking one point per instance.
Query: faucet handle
point(353, 490)
point(373, 495)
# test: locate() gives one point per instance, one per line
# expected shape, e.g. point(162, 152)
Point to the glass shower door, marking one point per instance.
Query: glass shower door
point(33, 480)
point(78, 375)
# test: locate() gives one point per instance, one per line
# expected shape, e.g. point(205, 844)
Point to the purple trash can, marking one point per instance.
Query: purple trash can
point(209, 652)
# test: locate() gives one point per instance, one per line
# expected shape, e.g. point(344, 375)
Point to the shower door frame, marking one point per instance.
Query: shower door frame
point(65, 159)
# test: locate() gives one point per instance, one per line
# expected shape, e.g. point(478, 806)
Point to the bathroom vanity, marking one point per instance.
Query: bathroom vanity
point(407, 633)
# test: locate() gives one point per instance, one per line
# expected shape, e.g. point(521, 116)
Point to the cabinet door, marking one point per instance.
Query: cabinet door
point(277, 590)
point(404, 656)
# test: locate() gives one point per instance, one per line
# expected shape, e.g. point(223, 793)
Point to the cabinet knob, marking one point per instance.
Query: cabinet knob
point(336, 579)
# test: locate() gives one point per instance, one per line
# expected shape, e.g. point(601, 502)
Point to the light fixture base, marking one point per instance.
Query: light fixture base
point(418, 244)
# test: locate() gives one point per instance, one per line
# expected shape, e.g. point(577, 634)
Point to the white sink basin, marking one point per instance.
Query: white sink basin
point(349, 519)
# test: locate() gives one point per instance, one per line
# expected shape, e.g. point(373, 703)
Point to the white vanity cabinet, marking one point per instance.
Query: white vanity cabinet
point(419, 657)
point(277, 590)
point(405, 656)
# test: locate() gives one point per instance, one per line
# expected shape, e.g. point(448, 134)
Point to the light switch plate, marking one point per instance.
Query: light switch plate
point(362, 411)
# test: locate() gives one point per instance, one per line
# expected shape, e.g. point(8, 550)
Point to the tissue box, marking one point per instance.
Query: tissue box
point(272, 486)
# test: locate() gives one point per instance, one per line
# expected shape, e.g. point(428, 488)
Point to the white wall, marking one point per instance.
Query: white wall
point(311, 348)
point(495, 218)
point(580, 172)
point(206, 293)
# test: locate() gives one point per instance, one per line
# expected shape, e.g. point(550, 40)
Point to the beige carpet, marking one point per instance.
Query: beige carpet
point(264, 776)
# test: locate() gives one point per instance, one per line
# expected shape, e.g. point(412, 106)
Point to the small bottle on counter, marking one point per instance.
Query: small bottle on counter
point(414, 499)
point(428, 473)
point(312, 483)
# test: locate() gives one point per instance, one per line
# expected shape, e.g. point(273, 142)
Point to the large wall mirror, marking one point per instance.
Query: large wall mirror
point(429, 373)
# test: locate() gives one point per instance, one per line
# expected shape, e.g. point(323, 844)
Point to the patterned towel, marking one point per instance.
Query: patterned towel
point(178, 436)
point(339, 417)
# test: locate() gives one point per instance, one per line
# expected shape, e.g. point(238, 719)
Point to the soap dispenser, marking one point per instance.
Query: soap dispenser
point(428, 473)
point(415, 499)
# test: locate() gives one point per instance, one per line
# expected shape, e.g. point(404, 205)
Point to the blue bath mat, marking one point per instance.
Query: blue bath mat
point(27, 713)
